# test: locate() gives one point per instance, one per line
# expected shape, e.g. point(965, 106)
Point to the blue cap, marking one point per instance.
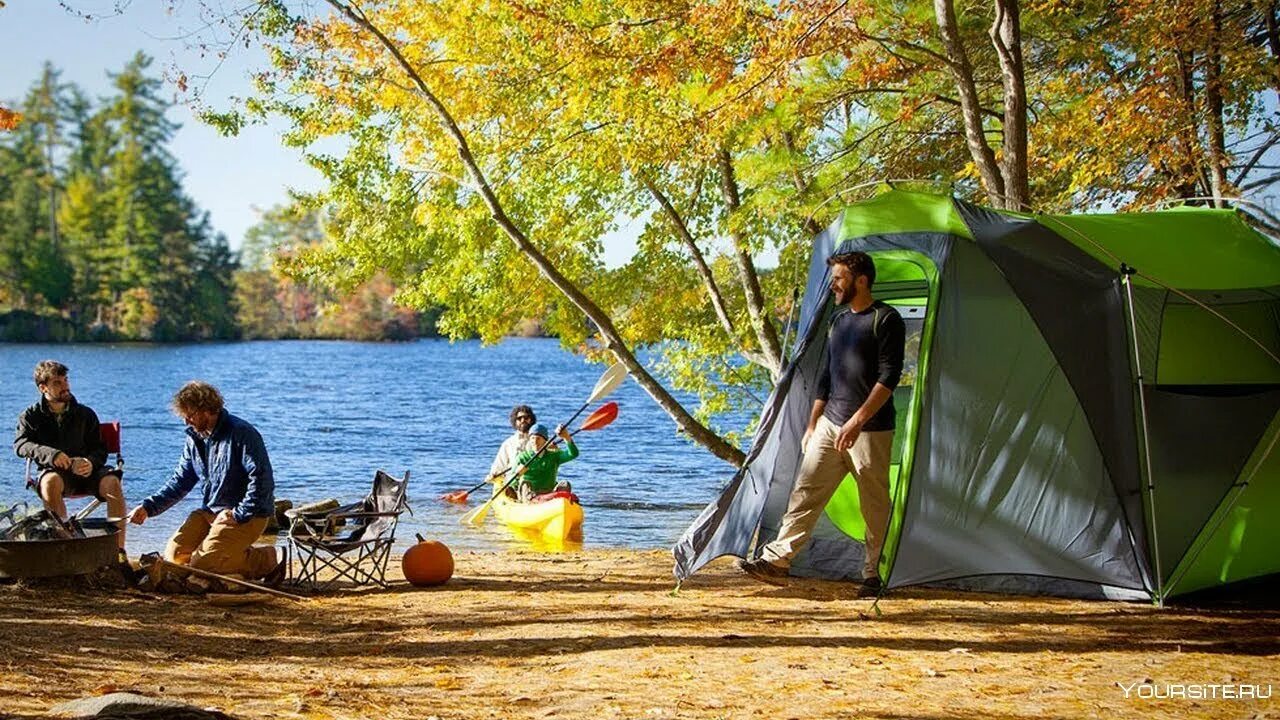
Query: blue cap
point(541, 431)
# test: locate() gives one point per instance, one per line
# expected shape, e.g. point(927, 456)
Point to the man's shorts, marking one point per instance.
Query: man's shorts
point(73, 484)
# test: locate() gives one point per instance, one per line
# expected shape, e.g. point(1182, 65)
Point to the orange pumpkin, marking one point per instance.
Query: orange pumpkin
point(427, 563)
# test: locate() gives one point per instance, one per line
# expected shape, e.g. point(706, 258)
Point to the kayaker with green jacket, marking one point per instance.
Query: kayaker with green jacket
point(539, 473)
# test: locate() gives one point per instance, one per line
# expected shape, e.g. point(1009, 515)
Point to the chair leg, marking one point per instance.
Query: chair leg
point(364, 565)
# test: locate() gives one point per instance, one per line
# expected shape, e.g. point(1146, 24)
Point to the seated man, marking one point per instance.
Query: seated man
point(521, 418)
point(61, 437)
point(227, 457)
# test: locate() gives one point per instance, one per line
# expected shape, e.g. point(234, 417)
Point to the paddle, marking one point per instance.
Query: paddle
point(460, 496)
point(607, 383)
point(606, 414)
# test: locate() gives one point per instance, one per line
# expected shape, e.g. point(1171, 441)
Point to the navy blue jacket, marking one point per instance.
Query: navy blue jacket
point(233, 467)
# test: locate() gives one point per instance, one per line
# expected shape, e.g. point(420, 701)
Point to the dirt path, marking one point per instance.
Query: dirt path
point(599, 634)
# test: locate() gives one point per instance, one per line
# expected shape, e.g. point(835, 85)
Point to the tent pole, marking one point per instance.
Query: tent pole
point(795, 300)
point(1127, 274)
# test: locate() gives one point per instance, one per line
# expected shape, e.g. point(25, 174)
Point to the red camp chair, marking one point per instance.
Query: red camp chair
point(110, 434)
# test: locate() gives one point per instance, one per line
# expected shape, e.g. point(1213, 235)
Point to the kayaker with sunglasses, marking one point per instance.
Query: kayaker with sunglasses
point(522, 418)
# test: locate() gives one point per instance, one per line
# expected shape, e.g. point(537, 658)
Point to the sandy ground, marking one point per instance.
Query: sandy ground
point(600, 634)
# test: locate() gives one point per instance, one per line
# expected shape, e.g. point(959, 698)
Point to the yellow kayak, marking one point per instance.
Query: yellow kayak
point(558, 518)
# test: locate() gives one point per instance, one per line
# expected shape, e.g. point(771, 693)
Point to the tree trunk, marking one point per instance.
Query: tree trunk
point(612, 339)
point(1188, 176)
point(1006, 36)
point(766, 333)
point(1216, 135)
point(970, 107)
point(1272, 28)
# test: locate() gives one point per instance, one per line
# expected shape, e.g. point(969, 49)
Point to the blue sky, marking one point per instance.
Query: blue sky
point(230, 177)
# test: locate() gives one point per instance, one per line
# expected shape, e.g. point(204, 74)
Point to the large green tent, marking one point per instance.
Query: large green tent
point(1091, 404)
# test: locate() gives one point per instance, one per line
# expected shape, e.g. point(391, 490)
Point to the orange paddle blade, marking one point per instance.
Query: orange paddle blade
point(457, 496)
point(603, 415)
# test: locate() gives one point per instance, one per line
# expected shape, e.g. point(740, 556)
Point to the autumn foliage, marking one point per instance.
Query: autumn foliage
point(489, 147)
point(9, 119)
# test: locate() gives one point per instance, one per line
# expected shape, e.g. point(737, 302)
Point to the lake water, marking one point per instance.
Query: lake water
point(334, 412)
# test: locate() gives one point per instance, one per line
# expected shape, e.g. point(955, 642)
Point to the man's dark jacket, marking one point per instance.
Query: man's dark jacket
point(41, 435)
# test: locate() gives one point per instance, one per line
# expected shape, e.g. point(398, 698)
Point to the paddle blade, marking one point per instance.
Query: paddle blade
point(603, 415)
point(608, 382)
point(457, 496)
point(475, 518)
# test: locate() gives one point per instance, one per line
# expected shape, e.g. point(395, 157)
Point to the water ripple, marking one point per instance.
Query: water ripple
point(334, 412)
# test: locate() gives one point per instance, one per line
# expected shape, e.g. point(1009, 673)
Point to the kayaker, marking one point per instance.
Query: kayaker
point(521, 418)
point(538, 472)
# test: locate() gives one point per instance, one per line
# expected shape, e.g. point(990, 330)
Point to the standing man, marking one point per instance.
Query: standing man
point(227, 457)
point(61, 437)
point(851, 424)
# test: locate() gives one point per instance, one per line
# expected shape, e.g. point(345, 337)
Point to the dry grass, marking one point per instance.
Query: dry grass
point(599, 634)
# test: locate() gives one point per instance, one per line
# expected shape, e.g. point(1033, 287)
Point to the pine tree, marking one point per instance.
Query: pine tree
point(33, 265)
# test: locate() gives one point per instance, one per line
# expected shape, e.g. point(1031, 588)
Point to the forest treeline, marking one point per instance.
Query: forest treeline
point(99, 240)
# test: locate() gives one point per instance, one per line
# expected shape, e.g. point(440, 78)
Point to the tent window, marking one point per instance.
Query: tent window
point(1197, 348)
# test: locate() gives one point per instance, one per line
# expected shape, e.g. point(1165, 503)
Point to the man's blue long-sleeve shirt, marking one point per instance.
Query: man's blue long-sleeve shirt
point(233, 466)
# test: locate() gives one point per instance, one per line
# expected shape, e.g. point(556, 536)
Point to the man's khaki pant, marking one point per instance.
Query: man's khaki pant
point(208, 542)
point(821, 471)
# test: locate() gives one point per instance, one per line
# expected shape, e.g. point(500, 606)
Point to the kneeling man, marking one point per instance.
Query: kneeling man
point(227, 457)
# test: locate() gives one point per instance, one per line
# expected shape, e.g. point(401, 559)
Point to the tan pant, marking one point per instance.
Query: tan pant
point(821, 471)
point(208, 542)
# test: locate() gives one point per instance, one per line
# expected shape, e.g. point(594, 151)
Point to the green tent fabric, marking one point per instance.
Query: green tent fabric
point(1092, 404)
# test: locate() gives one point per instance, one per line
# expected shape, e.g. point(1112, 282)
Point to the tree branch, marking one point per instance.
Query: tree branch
point(766, 333)
point(609, 334)
point(686, 237)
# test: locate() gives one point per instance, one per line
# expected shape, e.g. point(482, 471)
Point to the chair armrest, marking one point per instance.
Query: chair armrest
point(348, 516)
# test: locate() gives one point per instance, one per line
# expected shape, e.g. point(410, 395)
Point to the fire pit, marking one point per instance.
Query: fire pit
point(54, 557)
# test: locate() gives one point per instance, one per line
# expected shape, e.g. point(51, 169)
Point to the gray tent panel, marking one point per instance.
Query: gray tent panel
point(1011, 479)
point(1048, 274)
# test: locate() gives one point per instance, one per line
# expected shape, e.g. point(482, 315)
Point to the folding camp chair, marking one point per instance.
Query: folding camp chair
point(353, 542)
point(110, 434)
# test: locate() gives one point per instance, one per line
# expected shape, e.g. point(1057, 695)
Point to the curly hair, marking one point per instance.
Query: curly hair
point(518, 410)
point(47, 370)
point(197, 396)
point(859, 263)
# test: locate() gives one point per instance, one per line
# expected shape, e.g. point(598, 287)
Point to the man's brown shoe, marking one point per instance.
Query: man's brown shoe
point(765, 572)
